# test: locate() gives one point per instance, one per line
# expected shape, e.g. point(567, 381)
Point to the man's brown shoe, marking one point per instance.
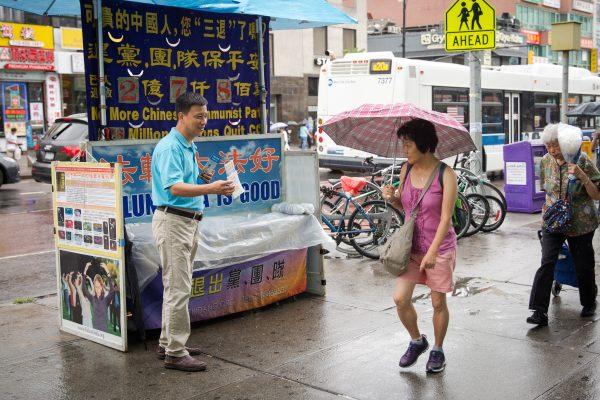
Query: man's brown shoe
point(185, 363)
point(160, 352)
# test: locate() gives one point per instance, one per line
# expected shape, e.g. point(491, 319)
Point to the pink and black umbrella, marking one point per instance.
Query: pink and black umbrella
point(372, 128)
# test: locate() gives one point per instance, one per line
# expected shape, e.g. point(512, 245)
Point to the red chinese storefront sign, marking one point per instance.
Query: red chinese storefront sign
point(27, 58)
point(533, 37)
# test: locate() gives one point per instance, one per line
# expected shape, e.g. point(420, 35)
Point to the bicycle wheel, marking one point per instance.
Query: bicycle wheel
point(497, 214)
point(462, 216)
point(483, 188)
point(335, 217)
point(379, 220)
point(480, 211)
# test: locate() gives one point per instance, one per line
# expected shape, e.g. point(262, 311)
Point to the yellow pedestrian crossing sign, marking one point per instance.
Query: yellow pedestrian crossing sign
point(470, 25)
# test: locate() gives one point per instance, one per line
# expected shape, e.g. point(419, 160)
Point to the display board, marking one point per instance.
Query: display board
point(88, 226)
point(152, 54)
point(258, 160)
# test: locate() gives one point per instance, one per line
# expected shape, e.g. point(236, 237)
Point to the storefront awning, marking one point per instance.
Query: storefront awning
point(284, 14)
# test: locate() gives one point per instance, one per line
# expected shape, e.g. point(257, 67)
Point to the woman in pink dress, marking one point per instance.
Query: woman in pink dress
point(433, 253)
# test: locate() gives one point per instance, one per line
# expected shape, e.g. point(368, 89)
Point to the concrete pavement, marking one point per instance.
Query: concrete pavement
point(343, 345)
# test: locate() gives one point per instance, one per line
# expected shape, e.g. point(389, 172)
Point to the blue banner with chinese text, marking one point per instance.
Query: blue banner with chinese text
point(152, 54)
point(258, 160)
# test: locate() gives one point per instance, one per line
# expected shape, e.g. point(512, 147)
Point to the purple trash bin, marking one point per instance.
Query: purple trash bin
point(522, 186)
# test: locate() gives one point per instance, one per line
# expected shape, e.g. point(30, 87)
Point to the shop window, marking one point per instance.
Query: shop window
point(313, 86)
point(12, 15)
point(73, 91)
point(319, 41)
point(349, 40)
point(30, 18)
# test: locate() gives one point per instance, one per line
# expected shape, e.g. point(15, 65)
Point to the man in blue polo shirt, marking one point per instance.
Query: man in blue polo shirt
point(179, 203)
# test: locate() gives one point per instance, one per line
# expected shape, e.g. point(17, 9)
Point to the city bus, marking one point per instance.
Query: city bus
point(517, 100)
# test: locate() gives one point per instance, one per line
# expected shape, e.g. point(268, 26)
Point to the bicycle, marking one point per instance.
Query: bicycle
point(469, 183)
point(461, 217)
point(369, 225)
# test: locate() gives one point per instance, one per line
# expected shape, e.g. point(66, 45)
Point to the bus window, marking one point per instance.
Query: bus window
point(527, 113)
point(492, 113)
point(546, 109)
point(453, 101)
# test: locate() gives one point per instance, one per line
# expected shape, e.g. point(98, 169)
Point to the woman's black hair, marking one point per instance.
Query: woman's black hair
point(420, 131)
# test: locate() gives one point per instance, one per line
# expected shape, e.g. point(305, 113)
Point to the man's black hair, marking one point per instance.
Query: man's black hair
point(187, 100)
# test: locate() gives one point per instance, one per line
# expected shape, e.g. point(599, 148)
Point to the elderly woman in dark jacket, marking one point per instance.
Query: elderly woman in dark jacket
point(554, 172)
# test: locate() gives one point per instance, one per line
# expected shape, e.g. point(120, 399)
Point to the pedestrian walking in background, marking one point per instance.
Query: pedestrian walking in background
point(433, 253)
point(303, 134)
point(13, 149)
point(596, 147)
point(554, 172)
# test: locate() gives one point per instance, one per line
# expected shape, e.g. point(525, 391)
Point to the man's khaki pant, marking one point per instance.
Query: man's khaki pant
point(177, 241)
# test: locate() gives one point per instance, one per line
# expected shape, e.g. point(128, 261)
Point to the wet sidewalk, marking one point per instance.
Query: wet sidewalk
point(344, 344)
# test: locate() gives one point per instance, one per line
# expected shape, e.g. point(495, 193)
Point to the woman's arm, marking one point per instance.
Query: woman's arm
point(448, 202)
point(586, 175)
point(111, 291)
point(394, 196)
point(72, 291)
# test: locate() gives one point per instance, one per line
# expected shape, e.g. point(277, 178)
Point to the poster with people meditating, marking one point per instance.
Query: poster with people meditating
point(90, 295)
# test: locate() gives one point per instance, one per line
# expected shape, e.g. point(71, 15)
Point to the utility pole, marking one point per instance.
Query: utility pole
point(404, 28)
point(565, 86)
point(475, 126)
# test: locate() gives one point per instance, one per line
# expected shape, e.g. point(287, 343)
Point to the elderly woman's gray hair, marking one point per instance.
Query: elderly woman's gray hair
point(550, 133)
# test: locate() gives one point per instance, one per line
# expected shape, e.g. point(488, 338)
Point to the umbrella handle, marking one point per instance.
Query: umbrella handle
point(394, 164)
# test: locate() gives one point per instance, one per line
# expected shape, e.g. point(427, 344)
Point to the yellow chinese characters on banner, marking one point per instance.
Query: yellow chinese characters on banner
point(26, 35)
point(71, 38)
point(470, 25)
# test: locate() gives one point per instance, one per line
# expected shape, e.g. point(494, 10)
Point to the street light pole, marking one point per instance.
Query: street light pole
point(404, 28)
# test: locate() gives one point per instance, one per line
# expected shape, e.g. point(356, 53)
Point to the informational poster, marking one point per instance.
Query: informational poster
point(53, 98)
point(153, 54)
point(36, 113)
point(516, 173)
point(88, 224)
point(14, 107)
point(222, 291)
point(257, 159)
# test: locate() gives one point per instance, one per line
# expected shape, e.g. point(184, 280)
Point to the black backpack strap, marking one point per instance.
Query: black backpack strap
point(441, 175)
point(408, 168)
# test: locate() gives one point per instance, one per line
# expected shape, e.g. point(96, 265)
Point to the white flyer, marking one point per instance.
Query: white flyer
point(232, 175)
